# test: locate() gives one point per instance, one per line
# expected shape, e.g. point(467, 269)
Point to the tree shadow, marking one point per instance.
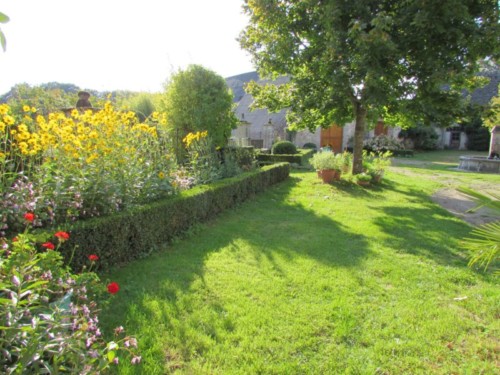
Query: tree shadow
point(264, 233)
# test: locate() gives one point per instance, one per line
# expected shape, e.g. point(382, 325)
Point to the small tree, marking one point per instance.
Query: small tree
point(368, 59)
point(197, 99)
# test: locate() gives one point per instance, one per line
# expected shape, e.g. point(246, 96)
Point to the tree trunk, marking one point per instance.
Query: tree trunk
point(359, 136)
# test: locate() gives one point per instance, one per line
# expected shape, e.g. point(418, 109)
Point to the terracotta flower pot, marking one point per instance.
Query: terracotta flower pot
point(328, 175)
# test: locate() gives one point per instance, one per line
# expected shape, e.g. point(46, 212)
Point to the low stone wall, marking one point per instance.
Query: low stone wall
point(479, 164)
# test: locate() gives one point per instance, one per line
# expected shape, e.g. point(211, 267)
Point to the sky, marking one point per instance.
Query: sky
point(119, 44)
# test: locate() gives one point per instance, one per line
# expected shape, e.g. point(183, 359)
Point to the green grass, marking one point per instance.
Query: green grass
point(310, 278)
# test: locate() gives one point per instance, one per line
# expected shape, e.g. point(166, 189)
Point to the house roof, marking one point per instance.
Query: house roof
point(244, 100)
point(483, 95)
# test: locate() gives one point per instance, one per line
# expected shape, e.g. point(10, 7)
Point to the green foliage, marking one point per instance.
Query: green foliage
point(493, 113)
point(423, 137)
point(198, 99)
point(48, 314)
point(46, 98)
point(300, 159)
point(3, 42)
point(134, 233)
point(142, 104)
point(284, 148)
point(484, 243)
point(326, 160)
point(478, 135)
point(366, 59)
point(309, 145)
point(244, 157)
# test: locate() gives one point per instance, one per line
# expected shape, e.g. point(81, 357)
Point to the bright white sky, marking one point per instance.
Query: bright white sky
point(119, 44)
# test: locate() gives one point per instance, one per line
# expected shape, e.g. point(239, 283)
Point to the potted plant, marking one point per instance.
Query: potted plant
point(327, 164)
point(379, 164)
point(363, 179)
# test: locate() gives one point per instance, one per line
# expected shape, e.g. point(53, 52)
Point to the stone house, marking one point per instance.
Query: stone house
point(261, 128)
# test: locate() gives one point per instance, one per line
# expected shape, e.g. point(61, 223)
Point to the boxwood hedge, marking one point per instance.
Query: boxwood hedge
point(133, 234)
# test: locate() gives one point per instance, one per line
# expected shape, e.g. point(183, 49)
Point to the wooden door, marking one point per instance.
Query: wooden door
point(332, 137)
point(380, 129)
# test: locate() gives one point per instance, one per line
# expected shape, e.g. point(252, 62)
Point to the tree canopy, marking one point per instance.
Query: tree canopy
point(366, 59)
point(197, 99)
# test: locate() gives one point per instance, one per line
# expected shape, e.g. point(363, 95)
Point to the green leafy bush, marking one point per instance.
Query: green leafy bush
point(310, 145)
point(301, 158)
point(423, 137)
point(48, 314)
point(284, 148)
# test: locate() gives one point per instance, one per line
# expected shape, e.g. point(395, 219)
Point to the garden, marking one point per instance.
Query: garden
point(310, 277)
point(117, 256)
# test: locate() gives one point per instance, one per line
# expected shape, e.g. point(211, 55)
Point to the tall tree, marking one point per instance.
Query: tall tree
point(197, 99)
point(368, 58)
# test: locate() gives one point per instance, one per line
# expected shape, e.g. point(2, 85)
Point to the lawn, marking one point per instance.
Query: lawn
point(310, 278)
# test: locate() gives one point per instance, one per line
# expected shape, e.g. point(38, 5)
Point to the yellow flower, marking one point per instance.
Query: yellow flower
point(9, 120)
point(161, 175)
point(26, 108)
point(4, 108)
point(33, 109)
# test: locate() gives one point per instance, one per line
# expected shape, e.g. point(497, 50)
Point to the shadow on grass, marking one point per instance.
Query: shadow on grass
point(259, 234)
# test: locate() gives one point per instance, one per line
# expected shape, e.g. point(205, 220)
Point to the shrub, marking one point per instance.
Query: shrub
point(301, 158)
point(383, 143)
point(284, 148)
point(310, 145)
point(48, 315)
point(423, 137)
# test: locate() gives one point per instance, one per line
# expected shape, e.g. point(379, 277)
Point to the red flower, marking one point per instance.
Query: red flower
point(29, 216)
point(63, 236)
point(113, 288)
point(48, 245)
point(15, 239)
point(93, 258)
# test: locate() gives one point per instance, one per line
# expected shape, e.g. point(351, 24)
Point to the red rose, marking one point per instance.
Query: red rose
point(93, 258)
point(113, 288)
point(29, 216)
point(63, 236)
point(48, 245)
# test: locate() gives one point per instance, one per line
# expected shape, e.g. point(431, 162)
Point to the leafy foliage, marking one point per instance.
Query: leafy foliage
point(48, 315)
point(284, 148)
point(484, 243)
point(423, 137)
point(198, 99)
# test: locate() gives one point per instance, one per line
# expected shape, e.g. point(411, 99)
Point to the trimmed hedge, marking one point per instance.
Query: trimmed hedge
point(135, 233)
point(301, 158)
point(395, 153)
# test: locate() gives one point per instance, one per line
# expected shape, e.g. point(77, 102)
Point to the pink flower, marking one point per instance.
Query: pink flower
point(29, 217)
point(49, 245)
point(113, 288)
